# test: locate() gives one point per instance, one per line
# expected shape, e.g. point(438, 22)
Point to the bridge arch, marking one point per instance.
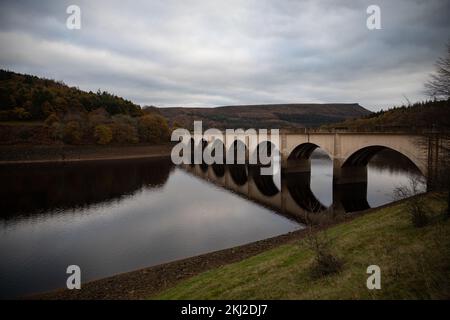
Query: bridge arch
point(299, 187)
point(192, 150)
point(303, 151)
point(299, 159)
point(203, 167)
point(238, 152)
point(202, 144)
point(218, 169)
point(362, 156)
point(265, 183)
point(215, 145)
point(239, 173)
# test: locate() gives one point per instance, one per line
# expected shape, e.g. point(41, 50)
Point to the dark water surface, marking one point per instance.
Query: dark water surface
point(117, 216)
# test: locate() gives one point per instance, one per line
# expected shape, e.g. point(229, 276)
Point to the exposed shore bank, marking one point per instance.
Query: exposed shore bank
point(47, 154)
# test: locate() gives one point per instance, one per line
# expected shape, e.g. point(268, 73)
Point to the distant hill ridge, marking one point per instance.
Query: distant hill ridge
point(292, 115)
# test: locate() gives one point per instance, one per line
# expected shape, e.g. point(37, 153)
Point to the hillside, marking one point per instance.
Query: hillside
point(27, 97)
point(42, 111)
point(265, 116)
point(418, 115)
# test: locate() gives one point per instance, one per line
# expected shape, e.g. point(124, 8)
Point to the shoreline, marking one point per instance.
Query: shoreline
point(21, 155)
point(149, 281)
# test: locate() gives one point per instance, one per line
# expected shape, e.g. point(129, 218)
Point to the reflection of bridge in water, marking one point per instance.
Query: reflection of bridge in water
point(291, 196)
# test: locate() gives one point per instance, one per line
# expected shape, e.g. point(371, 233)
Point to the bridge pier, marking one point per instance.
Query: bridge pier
point(348, 174)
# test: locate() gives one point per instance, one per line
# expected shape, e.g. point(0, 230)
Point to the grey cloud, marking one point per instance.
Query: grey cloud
point(205, 53)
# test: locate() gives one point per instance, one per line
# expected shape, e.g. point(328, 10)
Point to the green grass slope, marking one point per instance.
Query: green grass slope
point(414, 262)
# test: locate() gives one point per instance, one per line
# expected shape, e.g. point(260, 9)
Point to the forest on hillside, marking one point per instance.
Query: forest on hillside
point(45, 111)
point(421, 115)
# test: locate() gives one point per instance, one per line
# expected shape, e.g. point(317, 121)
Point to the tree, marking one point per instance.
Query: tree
point(153, 128)
point(103, 134)
point(98, 116)
point(52, 118)
point(47, 108)
point(73, 133)
point(439, 84)
point(124, 129)
point(125, 133)
point(56, 131)
point(21, 114)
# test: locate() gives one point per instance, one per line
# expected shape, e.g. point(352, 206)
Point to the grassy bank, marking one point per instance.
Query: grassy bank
point(414, 262)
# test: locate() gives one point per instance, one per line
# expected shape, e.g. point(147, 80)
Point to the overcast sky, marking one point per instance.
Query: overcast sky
point(210, 53)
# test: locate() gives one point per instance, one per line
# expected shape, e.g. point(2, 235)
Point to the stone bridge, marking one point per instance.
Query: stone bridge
point(349, 151)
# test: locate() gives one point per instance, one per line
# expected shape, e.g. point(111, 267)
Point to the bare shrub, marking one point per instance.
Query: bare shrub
point(325, 262)
point(415, 206)
point(439, 84)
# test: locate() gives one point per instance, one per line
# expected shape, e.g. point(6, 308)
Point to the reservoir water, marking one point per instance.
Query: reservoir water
point(110, 217)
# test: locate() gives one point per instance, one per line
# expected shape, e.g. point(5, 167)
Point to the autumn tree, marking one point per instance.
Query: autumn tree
point(72, 133)
point(52, 118)
point(103, 134)
point(125, 129)
point(21, 114)
point(153, 128)
point(98, 116)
